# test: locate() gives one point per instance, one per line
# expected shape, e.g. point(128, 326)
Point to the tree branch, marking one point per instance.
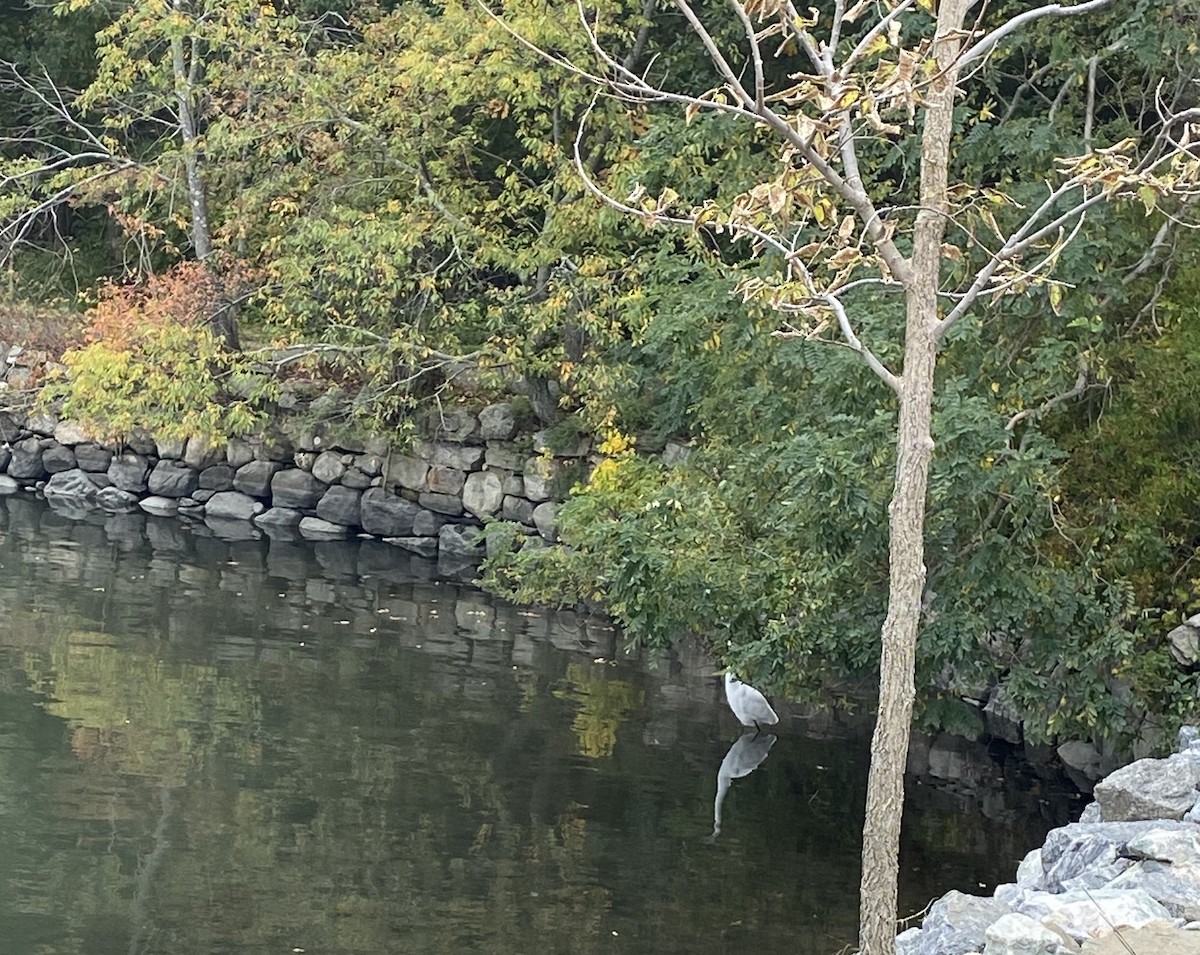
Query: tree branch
point(1080, 386)
point(985, 45)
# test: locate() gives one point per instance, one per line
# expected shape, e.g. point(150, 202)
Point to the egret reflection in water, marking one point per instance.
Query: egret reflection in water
point(743, 758)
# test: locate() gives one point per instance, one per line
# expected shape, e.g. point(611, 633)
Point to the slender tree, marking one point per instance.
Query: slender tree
point(828, 91)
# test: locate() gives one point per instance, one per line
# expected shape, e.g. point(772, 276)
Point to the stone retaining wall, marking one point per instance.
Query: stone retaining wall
point(430, 498)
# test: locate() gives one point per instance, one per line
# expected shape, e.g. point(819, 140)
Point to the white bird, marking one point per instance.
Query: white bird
point(748, 705)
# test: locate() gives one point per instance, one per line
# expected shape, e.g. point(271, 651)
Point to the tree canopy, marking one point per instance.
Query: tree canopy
point(391, 205)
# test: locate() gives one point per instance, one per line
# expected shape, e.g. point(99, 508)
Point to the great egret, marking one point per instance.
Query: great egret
point(748, 705)
point(743, 758)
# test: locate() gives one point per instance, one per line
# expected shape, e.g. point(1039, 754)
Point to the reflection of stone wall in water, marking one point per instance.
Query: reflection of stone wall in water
point(430, 498)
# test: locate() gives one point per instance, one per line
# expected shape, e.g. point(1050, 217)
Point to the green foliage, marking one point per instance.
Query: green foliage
point(770, 543)
point(166, 381)
point(400, 178)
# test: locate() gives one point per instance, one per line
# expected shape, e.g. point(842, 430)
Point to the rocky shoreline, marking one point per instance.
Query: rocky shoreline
point(432, 498)
point(1124, 879)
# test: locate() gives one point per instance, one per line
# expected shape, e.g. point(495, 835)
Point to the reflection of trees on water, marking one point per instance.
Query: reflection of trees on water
point(604, 705)
point(361, 757)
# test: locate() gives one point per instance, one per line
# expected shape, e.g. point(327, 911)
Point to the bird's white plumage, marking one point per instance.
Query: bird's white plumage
point(748, 705)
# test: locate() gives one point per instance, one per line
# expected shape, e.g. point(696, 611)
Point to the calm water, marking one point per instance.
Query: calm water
point(215, 746)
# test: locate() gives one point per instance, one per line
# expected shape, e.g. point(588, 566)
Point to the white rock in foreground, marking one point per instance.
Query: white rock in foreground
point(1092, 913)
point(1016, 934)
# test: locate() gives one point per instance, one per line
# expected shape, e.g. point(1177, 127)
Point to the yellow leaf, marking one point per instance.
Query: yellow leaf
point(848, 99)
point(877, 46)
point(1056, 297)
point(1148, 196)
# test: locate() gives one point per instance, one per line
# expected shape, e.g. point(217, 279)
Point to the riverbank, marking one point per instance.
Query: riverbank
point(1124, 878)
point(433, 498)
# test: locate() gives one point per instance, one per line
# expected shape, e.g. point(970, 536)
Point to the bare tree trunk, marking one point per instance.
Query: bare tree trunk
point(914, 446)
point(187, 67)
point(185, 82)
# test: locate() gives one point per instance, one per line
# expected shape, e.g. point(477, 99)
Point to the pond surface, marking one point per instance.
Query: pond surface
point(223, 746)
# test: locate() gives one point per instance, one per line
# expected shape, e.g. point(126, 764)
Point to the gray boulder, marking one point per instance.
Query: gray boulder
point(58, 458)
point(1189, 738)
point(457, 456)
point(675, 453)
point(908, 942)
point(427, 524)
point(69, 433)
point(255, 477)
point(359, 480)
point(1072, 851)
point(26, 463)
point(957, 923)
point(1175, 887)
point(498, 422)
point(171, 478)
point(454, 425)
point(1180, 846)
point(73, 485)
point(201, 453)
point(504, 456)
point(296, 488)
point(540, 475)
point(238, 453)
point(1094, 912)
point(1030, 873)
point(341, 505)
point(514, 485)
point(43, 423)
point(1083, 758)
point(545, 519)
point(128, 472)
point(329, 467)
point(159, 506)
point(460, 540)
point(445, 480)
point(314, 528)
point(1150, 788)
point(92, 457)
point(1184, 642)
point(386, 515)
point(517, 509)
point(280, 517)
point(441, 503)
point(1159, 938)
point(8, 485)
point(140, 441)
point(217, 477)
point(10, 430)
point(369, 464)
point(233, 505)
point(170, 448)
point(408, 472)
point(483, 494)
point(1016, 934)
